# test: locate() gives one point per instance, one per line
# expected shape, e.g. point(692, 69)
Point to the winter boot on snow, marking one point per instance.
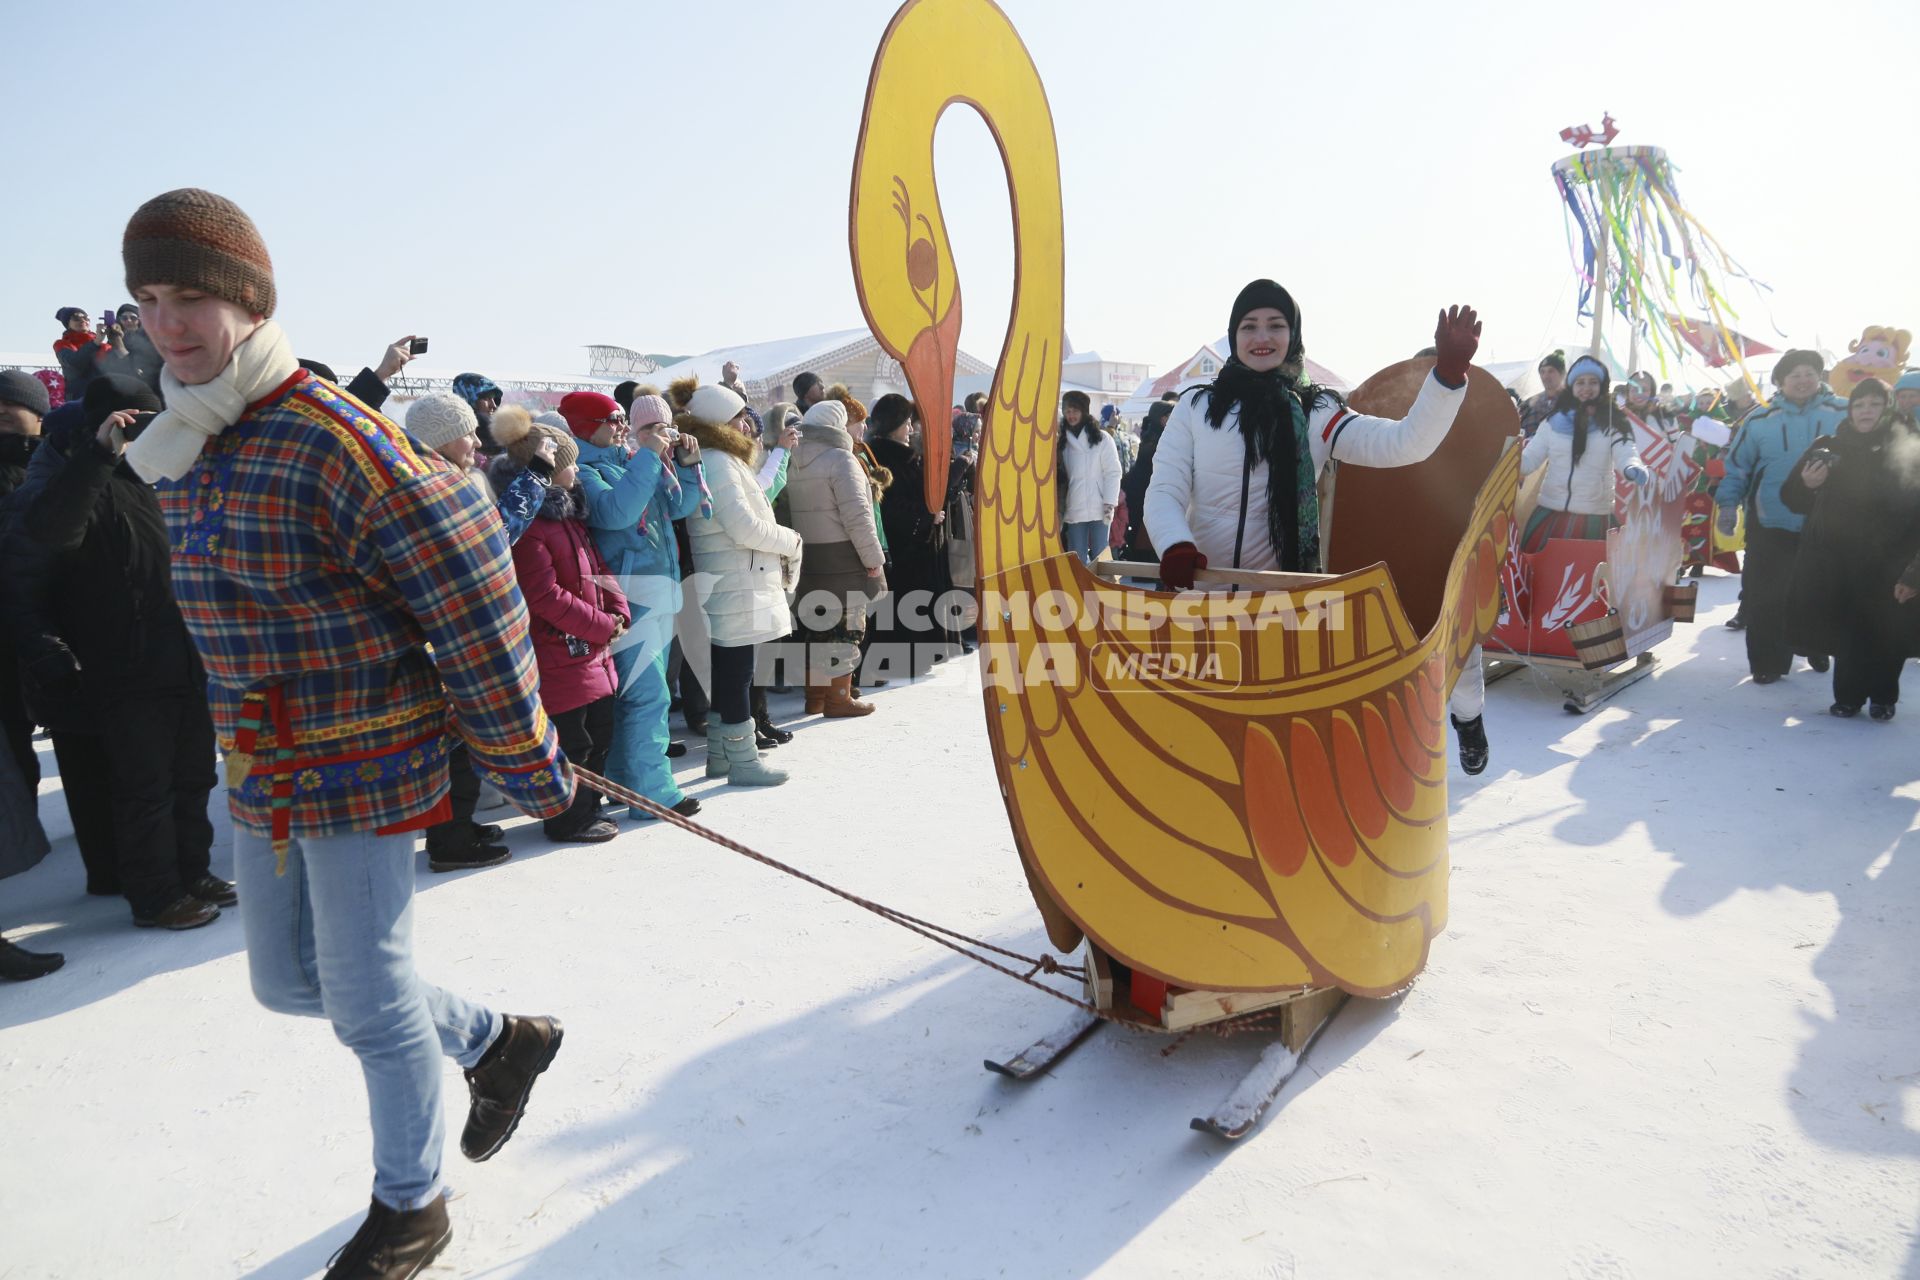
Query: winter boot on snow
point(716, 750)
point(500, 1083)
point(1881, 711)
point(687, 807)
point(1844, 710)
point(17, 964)
point(211, 888)
point(765, 732)
point(1473, 742)
point(184, 912)
point(841, 702)
point(745, 768)
point(456, 854)
point(393, 1244)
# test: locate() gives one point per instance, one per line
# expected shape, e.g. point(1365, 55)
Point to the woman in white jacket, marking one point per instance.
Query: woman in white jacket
point(1237, 472)
point(1581, 444)
point(744, 562)
point(1089, 478)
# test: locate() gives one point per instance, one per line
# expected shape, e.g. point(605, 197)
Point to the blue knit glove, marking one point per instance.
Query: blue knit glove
point(1637, 475)
point(1729, 520)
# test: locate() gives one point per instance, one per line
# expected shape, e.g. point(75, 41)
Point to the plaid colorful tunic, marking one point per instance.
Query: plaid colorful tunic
point(316, 557)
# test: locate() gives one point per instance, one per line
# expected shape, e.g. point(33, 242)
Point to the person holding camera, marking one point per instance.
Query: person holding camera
point(135, 355)
point(1855, 576)
point(369, 386)
point(577, 614)
point(638, 478)
point(82, 353)
point(103, 646)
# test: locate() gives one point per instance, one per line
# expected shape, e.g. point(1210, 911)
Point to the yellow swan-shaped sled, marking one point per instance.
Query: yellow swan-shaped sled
point(1251, 798)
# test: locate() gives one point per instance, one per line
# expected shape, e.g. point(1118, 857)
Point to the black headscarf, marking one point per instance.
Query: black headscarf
point(1267, 402)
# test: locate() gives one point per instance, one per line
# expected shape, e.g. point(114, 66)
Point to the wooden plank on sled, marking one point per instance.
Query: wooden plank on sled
point(1305, 1016)
point(1099, 978)
point(1184, 1009)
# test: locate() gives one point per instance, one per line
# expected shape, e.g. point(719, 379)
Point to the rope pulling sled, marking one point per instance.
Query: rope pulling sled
point(1241, 1112)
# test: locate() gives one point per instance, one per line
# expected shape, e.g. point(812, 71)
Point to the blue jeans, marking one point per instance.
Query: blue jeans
point(1087, 538)
point(637, 758)
point(333, 939)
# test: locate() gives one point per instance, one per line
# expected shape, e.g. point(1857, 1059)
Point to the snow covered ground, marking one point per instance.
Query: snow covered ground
point(1671, 1032)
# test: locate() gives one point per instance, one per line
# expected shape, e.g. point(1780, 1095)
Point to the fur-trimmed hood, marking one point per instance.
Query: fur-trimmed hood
point(714, 437)
point(720, 438)
point(882, 477)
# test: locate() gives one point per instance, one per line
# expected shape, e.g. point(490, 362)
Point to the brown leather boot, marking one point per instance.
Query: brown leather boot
point(842, 703)
point(816, 697)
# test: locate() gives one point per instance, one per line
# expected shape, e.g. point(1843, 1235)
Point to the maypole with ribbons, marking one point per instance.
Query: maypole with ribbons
point(1643, 255)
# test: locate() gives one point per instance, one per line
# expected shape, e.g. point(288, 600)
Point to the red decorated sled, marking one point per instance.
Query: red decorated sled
point(1587, 612)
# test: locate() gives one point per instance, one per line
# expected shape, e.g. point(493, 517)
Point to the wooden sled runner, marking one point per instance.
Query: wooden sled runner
point(1236, 798)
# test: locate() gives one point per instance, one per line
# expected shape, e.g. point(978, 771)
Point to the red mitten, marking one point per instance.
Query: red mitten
point(1177, 566)
point(1455, 340)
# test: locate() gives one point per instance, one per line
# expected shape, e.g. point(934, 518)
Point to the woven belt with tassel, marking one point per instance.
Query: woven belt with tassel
point(254, 710)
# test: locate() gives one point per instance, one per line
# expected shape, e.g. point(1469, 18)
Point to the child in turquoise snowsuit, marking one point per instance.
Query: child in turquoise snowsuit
point(632, 502)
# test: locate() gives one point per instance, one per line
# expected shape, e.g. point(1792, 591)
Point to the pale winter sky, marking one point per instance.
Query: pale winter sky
point(518, 180)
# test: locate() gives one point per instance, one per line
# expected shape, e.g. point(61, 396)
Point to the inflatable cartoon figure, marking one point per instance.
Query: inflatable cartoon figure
point(1880, 353)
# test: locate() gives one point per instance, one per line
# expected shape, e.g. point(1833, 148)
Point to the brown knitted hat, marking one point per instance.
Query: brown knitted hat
point(514, 430)
point(197, 240)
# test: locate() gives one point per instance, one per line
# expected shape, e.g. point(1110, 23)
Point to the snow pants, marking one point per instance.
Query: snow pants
point(1765, 585)
point(1867, 670)
point(160, 756)
point(1469, 697)
point(637, 756)
point(586, 734)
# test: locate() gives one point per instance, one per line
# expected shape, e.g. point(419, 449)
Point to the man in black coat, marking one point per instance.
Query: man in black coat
point(136, 355)
point(76, 745)
point(88, 565)
point(23, 403)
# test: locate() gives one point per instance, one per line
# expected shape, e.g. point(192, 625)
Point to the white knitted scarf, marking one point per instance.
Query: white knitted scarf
point(167, 449)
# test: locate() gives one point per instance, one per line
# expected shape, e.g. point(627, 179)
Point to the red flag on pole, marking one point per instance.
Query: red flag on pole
point(1705, 337)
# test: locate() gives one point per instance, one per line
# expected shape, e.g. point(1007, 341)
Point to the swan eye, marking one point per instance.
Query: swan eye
point(922, 264)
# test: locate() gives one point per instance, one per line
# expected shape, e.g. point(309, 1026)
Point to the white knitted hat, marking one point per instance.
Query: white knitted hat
point(714, 405)
point(828, 413)
point(440, 419)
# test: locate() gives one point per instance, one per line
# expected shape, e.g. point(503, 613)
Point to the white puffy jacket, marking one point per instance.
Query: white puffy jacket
point(1195, 493)
point(1586, 489)
point(1093, 476)
point(744, 561)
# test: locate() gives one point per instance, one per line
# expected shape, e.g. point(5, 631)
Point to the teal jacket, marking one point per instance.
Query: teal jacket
point(632, 503)
point(1762, 455)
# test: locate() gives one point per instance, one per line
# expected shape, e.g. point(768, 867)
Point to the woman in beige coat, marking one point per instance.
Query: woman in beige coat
point(843, 566)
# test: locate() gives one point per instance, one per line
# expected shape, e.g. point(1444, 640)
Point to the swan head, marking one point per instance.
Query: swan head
point(903, 268)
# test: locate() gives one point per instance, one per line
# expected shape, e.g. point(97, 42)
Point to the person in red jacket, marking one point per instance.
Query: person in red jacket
point(577, 614)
